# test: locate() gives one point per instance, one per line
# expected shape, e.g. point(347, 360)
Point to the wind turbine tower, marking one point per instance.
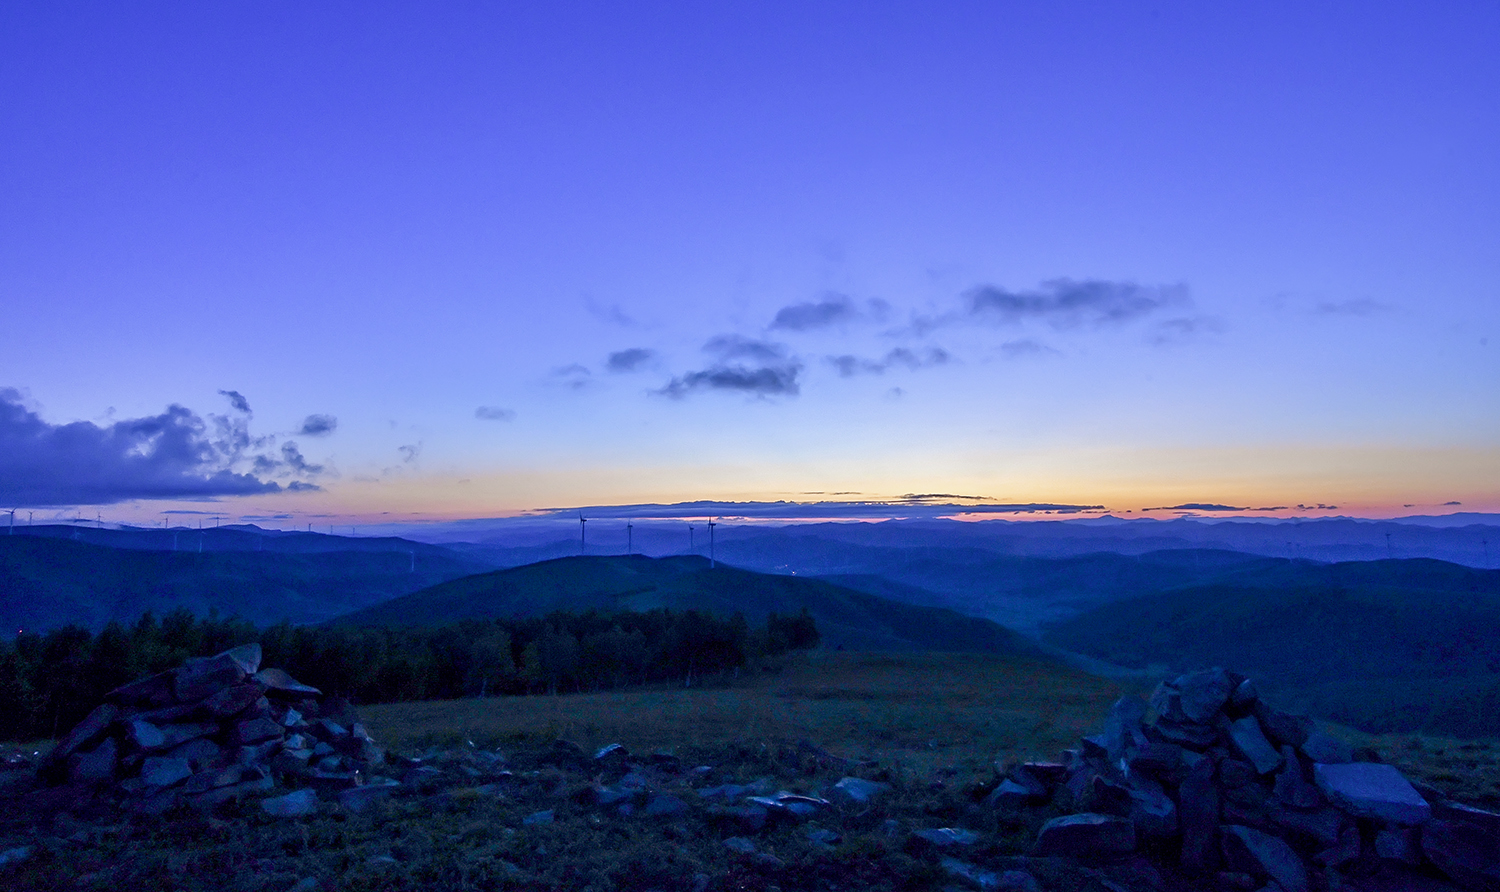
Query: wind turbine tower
point(629, 538)
point(582, 538)
point(690, 538)
point(711, 526)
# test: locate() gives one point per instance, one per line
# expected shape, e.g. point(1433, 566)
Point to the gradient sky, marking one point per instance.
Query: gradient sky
point(471, 259)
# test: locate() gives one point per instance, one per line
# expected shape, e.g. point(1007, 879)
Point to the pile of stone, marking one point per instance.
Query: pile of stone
point(216, 728)
point(1238, 794)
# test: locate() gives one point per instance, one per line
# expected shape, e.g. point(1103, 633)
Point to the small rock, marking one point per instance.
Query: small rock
point(540, 817)
point(1372, 790)
point(612, 751)
point(306, 884)
point(257, 731)
point(296, 804)
point(145, 735)
point(740, 844)
point(1086, 836)
point(857, 791)
point(1252, 744)
point(85, 732)
point(362, 797)
point(1245, 695)
point(945, 837)
point(1202, 694)
point(279, 681)
point(1010, 795)
point(232, 700)
point(1291, 787)
point(665, 805)
point(823, 838)
point(1398, 844)
point(96, 766)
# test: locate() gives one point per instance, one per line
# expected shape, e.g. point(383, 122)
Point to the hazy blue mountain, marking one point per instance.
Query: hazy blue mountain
point(1385, 645)
point(846, 618)
point(47, 582)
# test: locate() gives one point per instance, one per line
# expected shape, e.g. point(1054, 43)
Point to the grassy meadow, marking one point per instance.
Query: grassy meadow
point(919, 710)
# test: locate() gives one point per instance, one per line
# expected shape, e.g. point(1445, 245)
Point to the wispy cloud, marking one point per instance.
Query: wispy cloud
point(574, 376)
point(177, 454)
point(901, 357)
point(1068, 303)
point(1182, 329)
point(1362, 306)
point(494, 413)
point(1024, 347)
point(779, 380)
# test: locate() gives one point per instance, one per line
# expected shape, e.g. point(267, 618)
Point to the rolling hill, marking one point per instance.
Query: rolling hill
point(1405, 645)
point(846, 618)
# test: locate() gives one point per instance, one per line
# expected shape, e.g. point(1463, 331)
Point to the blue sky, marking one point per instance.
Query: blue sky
point(559, 254)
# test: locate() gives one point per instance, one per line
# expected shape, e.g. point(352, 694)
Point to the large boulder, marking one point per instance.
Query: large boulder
point(1087, 837)
point(1372, 790)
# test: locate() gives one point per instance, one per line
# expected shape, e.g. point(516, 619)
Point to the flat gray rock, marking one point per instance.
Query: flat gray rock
point(857, 791)
point(296, 804)
point(1202, 694)
point(164, 771)
point(362, 797)
point(1253, 745)
point(1372, 790)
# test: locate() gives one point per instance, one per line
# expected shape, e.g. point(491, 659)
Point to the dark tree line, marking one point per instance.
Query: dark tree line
point(50, 681)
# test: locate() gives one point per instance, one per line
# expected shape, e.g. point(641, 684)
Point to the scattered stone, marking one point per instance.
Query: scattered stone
point(612, 751)
point(85, 732)
point(945, 837)
point(741, 845)
point(665, 805)
point(362, 797)
point(1086, 837)
point(279, 681)
point(1010, 795)
point(1291, 788)
point(823, 838)
point(1398, 844)
point(857, 791)
point(1249, 850)
point(1372, 790)
point(540, 817)
point(1324, 749)
point(96, 766)
point(296, 804)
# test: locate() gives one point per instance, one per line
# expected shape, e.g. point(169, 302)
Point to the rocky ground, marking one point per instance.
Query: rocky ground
point(1202, 789)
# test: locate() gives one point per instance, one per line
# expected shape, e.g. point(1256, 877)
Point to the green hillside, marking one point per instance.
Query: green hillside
point(1383, 645)
point(846, 618)
point(50, 582)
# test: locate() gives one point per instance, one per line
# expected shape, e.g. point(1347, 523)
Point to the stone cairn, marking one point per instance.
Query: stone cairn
point(215, 729)
point(1243, 796)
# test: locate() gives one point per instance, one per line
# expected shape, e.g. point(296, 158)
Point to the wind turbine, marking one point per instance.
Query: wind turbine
point(711, 526)
point(629, 538)
point(690, 538)
point(13, 523)
point(582, 539)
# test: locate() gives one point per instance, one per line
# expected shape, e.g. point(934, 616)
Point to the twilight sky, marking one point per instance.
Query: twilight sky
point(376, 261)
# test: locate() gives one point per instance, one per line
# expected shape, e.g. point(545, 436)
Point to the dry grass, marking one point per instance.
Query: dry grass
point(920, 710)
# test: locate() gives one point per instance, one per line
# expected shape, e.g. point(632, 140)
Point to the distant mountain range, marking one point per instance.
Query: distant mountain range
point(48, 581)
point(846, 619)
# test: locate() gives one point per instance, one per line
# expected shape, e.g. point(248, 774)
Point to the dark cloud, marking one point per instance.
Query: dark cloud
point(770, 380)
point(236, 400)
point(630, 360)
point(732, 346)
point(318, 426)
point(1197, 506)
point(900, 357)
point(494, 413)
point(1068, 303)
point(834, 309)
point(292, 459)
point(1451, 504)
point(409, 452)
point(1363, 306)
point(175, 455)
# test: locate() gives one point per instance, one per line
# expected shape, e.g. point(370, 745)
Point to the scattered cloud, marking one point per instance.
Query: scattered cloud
point(177, 454)
point(318, 426)
point(1198, 506)
point(1362, 306)
point(1069, 303)
point(237, 400)
point(871, 508)
point(630, 360)
point(900, 357)
point(834, 309)
point(494, 413)
point(777, 380)
point(1451, 504)
point(410, 452)
point(895, 393)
